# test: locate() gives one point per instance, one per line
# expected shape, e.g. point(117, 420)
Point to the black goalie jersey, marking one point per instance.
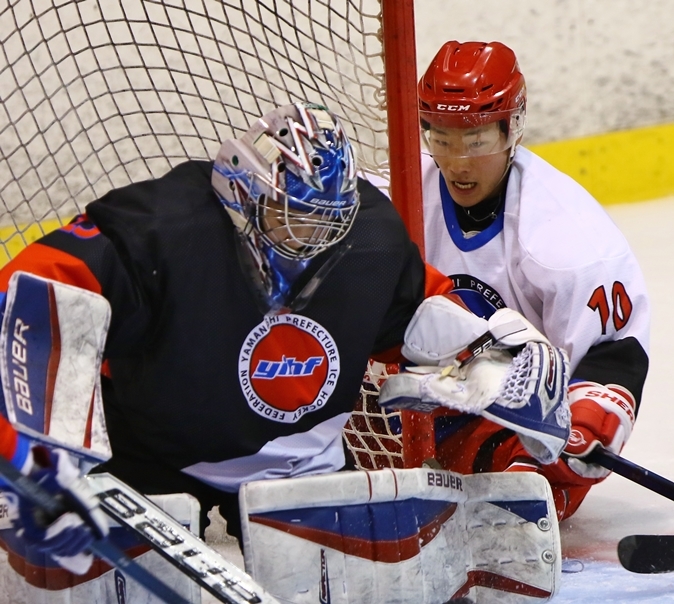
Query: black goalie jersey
point(199, 378)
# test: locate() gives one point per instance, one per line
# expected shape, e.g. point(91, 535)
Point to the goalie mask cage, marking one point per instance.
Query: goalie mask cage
point(96, 94)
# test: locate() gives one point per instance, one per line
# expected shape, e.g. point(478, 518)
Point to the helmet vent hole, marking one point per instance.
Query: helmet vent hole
point(283, 132)
point(281, 167)
point(487, 107)
point(317, 160)
point(235, 160)
point(487, 87)
point(450, 90)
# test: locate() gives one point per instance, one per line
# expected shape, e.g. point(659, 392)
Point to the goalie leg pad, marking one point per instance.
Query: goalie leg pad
point(51, 349)
point(395, 536)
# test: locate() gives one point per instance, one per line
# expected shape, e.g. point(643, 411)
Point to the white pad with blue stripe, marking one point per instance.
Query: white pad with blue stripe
point(399, 536)
point(51, 349)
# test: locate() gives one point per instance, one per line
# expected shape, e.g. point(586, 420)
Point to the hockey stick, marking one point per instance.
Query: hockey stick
point(640, 553)
point(184, 550)
point(475, 348)
point(647, 554)
point(30, 490)
point(489, 339)
point(631, 471)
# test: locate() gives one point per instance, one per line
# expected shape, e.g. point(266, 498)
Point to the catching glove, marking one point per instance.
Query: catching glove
point(66, 538)
point(600, 416)
point(441, 328)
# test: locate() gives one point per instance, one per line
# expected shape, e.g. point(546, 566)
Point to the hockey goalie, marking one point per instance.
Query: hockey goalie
point(422, 535)
point(428, 535)
point(246, 370)
point(387, 537)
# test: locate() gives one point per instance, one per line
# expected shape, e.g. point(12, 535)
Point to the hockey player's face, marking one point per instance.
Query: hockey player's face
point(472, 161)
point(287, 229)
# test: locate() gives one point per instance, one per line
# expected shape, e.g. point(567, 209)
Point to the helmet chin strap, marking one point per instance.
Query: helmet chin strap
point(509, 163)
point(513, 149)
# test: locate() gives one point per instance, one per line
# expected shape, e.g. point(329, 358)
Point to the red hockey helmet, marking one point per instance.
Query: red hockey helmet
point(472, 84)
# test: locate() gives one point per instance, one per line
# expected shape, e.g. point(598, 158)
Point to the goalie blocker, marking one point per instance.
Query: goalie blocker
point(51, 353)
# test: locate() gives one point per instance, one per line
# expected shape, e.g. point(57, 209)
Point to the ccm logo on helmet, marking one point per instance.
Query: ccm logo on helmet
point(443, 107)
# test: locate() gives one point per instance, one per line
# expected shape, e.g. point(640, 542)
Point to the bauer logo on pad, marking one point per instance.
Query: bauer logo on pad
point(51, 349)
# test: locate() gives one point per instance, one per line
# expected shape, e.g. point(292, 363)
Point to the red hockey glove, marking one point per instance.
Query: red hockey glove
point(600, 416)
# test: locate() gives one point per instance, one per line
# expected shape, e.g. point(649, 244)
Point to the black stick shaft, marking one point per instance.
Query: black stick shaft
point(632, 471)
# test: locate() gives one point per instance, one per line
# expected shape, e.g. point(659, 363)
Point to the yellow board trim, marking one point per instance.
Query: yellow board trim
point(14, 240)
point(618, 167)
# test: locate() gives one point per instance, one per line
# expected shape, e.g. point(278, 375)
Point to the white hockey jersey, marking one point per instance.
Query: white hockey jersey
point(553, 254)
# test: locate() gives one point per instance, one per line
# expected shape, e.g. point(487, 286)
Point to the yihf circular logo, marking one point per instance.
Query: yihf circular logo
point(288, 366)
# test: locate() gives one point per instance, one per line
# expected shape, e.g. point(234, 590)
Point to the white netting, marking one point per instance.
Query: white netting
point(522, 378)
point(373, 436)
point(95, 94)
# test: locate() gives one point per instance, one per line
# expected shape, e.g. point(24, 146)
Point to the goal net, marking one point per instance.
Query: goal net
point(96, 94)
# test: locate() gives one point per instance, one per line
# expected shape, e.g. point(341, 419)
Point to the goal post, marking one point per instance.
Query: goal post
point(403, 120)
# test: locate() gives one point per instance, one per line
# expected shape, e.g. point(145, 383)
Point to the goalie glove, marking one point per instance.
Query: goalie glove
point(469, 390)
point(533, 401)
point(528, 395)
point(66, 538)
point(441, 328)
point(600, 416)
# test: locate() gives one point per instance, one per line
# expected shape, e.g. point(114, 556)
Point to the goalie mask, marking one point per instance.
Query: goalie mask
point(289, 186)
point(472, 100)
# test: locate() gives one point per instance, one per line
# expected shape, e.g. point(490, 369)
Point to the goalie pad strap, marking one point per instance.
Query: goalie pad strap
point(511, 329)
